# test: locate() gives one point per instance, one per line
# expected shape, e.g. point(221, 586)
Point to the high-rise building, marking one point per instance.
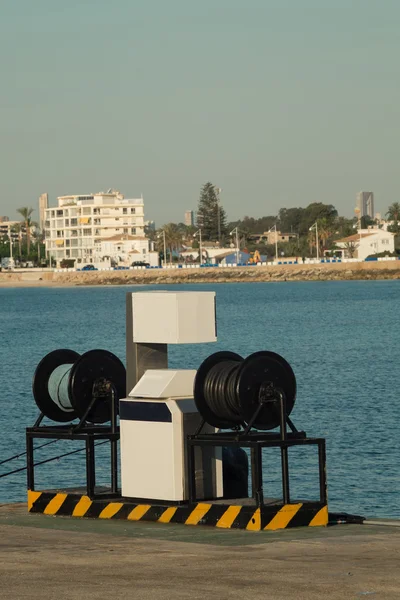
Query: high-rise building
point(80, 225)
point(365, 204)
point(43, 205)
point(189, 218)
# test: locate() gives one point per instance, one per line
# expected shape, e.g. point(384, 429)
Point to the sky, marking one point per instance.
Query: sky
point(278, 102)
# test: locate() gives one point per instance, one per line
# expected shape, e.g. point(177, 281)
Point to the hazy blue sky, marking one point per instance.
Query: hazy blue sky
point(278, 102)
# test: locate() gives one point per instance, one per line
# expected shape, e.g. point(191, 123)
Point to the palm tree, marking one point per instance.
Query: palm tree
point(311, 241)
point(18, 229)
point(26, 212)
point(173, 239)
point(325, 231)
point(393, 212)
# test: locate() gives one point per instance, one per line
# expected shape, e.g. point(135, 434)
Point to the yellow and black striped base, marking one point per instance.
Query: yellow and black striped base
point(270, 517)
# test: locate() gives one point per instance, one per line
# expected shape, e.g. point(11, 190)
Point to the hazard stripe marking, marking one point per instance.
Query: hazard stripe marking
point(197, 514)
point(110, 510)
point(55, 504)
point(32, 497)
point(167, 514)
point(82, 507)
point(223, 516)
point(255, 522)
point(138, 512)
point(320, 519)
point(228, 517)
point(283, 517)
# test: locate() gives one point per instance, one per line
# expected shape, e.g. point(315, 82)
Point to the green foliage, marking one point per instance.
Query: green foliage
point(299, 220)
point(382, 254)
point(211, 217)
point(393, 213)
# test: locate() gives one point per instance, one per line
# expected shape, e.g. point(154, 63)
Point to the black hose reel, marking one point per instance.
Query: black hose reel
point(68, 386)
point(230, 391)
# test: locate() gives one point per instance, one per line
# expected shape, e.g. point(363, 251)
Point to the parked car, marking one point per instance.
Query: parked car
point(140, 263)
point(89, 268)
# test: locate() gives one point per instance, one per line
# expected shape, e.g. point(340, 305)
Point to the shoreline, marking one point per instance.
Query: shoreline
point(383, 270)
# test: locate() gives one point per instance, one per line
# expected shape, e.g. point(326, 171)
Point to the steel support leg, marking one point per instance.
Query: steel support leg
point(30, 469)
point(90, 467)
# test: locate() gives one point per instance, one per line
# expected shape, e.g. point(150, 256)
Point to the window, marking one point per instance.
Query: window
point(60, 233)
point(74, 222)
point(59, 213)
point(66, 222)
point(87, 232)
point(133, 210)
point(125, 230)
point(133, 230)
point(124, 211)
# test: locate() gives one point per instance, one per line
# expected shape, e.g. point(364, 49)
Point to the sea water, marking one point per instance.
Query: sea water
point(341, 339)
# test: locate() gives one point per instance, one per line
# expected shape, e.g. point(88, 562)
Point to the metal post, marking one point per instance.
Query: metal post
point(114, 445)
point(284, 450)
point(191, 472)
point(90, 466)
point(256, 475)
point(29, 462)
point(201, 248)
point(316, 235)
point(10, 239)
point(322, 471)
point(276, 243)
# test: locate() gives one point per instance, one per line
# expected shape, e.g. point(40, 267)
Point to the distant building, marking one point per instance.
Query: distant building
point(4, 219)
point(43, 205)
point(270, 237)
point(150, 225)
point(88, 227)
point(365, 204)
point(13, 229)
point(366, 242)
point(189, 218)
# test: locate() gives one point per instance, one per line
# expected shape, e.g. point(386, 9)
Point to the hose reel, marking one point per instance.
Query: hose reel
point(66, 384)
point(230, 391)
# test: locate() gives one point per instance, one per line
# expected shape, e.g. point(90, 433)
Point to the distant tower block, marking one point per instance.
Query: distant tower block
point(365, 204)
point(189, 218)
point(43, 204)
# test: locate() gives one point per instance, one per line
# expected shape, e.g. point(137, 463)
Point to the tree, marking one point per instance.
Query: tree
point(351, 248)
point(393, 214)
point(26, 212)
point(325, 231)
point(173, 239)
point(211, 217)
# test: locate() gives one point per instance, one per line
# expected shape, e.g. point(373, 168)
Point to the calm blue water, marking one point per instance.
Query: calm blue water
point(341, 339)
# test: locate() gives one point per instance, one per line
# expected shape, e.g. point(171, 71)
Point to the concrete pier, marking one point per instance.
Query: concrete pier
point(59, 558)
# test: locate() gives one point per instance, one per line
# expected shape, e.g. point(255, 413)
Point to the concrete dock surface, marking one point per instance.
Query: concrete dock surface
point(56, 558)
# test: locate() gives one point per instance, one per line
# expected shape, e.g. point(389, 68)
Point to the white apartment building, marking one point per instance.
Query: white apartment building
point(366, 242)
point(87, 227)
